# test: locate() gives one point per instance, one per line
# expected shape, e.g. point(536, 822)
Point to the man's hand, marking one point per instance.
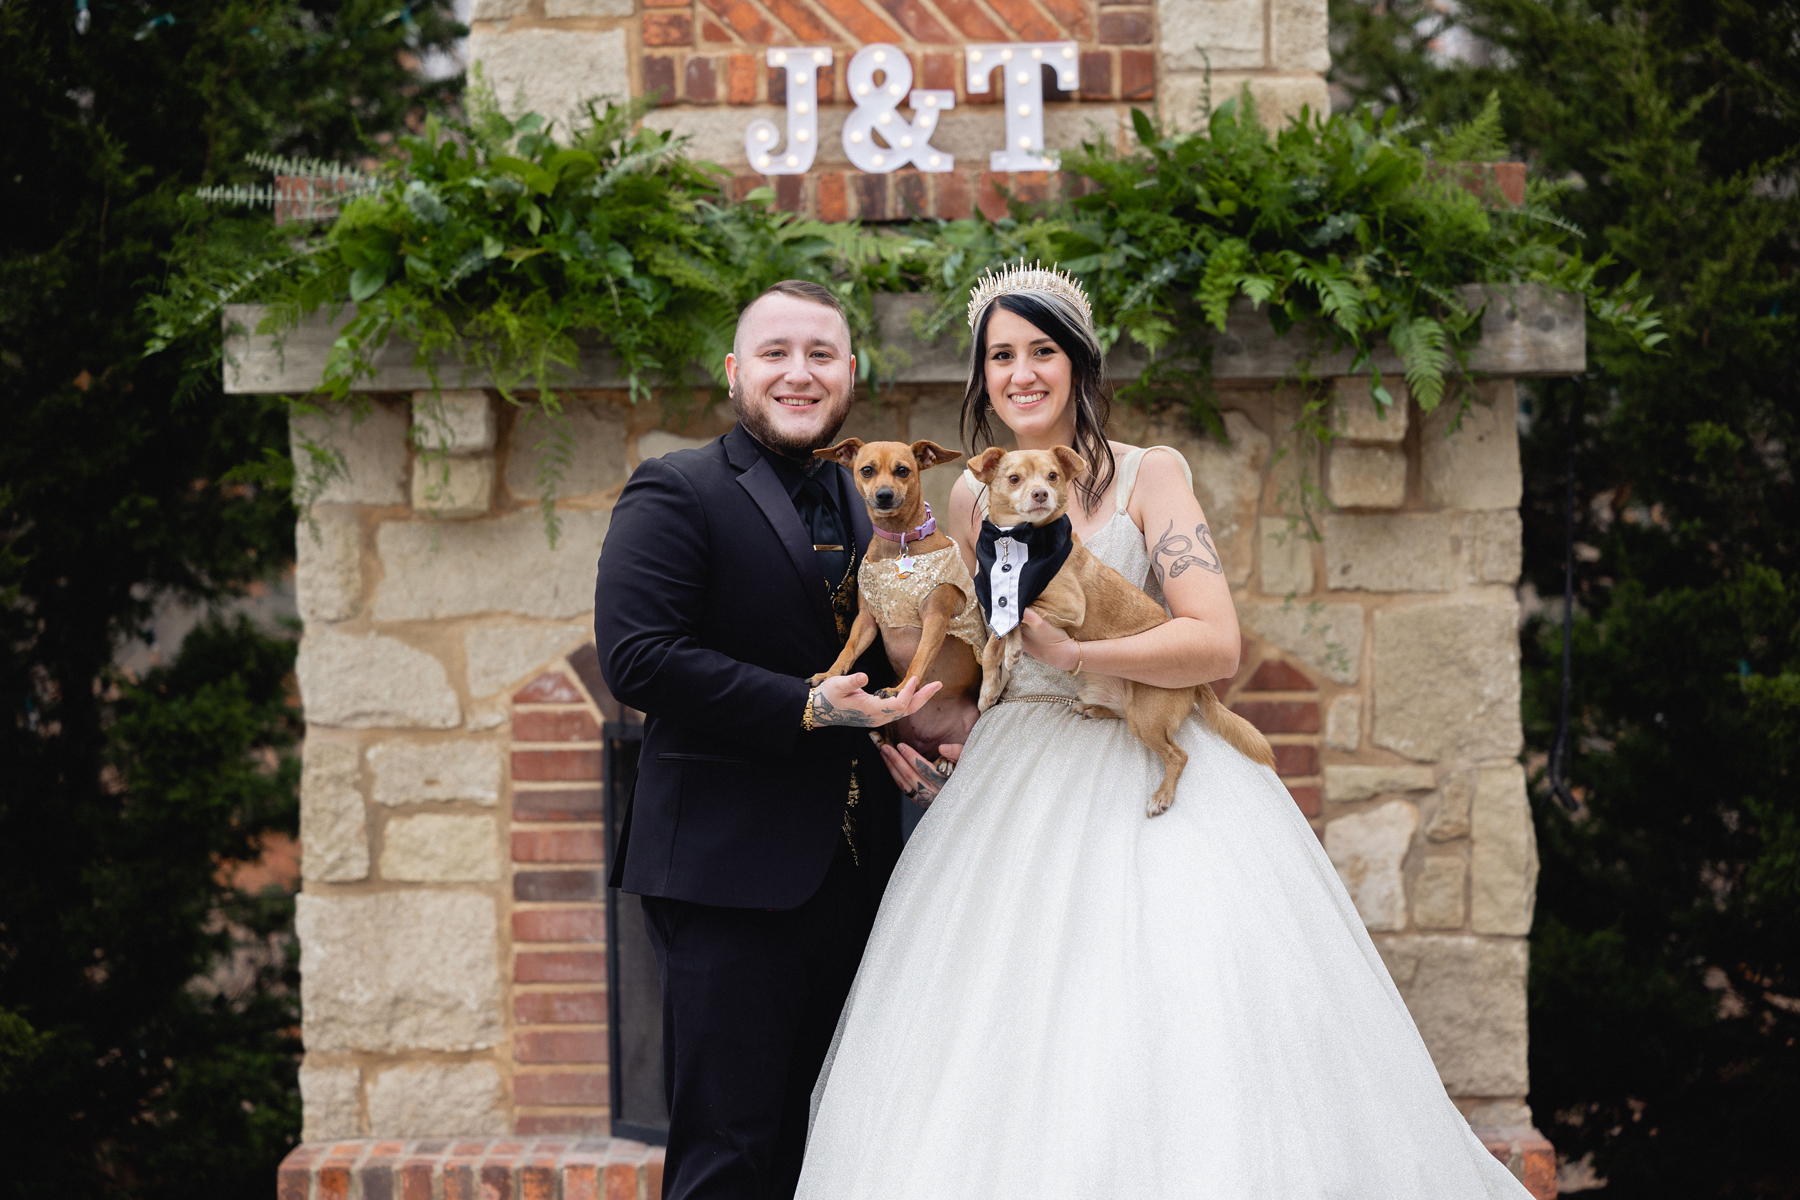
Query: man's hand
point(919, 780)
point(841, 701)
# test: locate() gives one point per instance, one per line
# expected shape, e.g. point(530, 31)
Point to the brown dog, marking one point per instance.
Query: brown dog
point(916, 592)
point(1091, 601)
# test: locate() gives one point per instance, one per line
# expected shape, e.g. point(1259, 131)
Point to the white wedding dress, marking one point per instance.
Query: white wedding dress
point(1063, 998)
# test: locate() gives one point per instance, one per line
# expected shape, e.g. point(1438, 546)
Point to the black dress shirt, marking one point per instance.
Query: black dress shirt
point(815, 491)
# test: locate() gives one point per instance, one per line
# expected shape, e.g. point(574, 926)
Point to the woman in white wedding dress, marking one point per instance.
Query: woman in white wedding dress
point(1063, 998)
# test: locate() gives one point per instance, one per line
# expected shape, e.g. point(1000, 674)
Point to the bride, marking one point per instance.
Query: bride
point(1064, 998)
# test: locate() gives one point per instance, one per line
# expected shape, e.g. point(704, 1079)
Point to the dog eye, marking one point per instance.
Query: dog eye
point(1012, 479)
point(902, 472)
point(868, 472)
point(1052, 477)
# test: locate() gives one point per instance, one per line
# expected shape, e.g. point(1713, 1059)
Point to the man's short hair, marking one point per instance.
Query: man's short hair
point(799, 289)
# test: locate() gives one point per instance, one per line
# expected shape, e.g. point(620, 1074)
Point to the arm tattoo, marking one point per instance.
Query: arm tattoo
point(1180, 550)
point(827, 713)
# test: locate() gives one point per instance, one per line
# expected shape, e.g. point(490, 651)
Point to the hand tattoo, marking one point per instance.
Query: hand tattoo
point(928, 771)
point(827, 713)
point(1178, 548)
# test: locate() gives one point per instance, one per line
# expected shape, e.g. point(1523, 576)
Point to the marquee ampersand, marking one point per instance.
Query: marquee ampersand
point(763, 145)
point(877, 119)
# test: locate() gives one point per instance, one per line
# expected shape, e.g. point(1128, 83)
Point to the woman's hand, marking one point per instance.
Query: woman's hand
point(919, 780)
point(841, 701)
point(1048, 644)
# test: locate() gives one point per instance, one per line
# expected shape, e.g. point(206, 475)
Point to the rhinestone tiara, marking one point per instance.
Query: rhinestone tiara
point(1021, 278)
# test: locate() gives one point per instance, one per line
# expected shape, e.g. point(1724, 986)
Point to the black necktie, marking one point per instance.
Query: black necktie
point(819, 513)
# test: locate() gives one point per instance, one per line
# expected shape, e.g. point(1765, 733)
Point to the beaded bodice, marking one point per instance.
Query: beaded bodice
point(895, 598)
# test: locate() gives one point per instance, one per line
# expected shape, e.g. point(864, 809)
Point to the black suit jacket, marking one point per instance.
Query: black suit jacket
point(709, 614)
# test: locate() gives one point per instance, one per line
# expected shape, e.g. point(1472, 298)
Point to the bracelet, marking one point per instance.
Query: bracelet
point(808, 722)
point(1080, 657)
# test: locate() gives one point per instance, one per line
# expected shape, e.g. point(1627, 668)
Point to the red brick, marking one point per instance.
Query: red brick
point(1031, 187)
point(667, 3)
point(777, 85)
point(459, 1180)
point(1294, 759)
point(921, 24)
point(559, 966)
point(741, 186)
point(560, 1046)
point(574, 725)
point(712, 31)
point(909, 194)
point(825, 83)
point(555, 886)
point(740, 79)
point(580, 1177)
point(861, 21)
point(1280, 716)
point(415, 1181)
point(1274, 676)
point(377, 1178)
point(559, 925)
point(802, 20)
point(334, 1182)
point(987, 195)
point(1096, 75)
point(974, 23)
point(1137, 75)
point(937, 72)
point(743, 17)
point(668, 29)
point(553, 687)
point(534, 1088)
point(537, 1182)
point(953, 195)
point(832, 200)
point(653, 1170)
point(560, 1008)
point(588, 1123)
point(559, 765)
point(1073, 16)
point(558, 845)
point(1026, 21)
point(1510, 178)
point(1539, 1168)
point(790, 193)
point(1125, 27)
point(1307, 798)
point(872, 196)
point(625, 1170)
point(576, 804)
point(496, 1177)
point(293, 1180)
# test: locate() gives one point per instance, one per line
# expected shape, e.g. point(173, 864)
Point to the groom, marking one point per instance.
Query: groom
point(764, 825)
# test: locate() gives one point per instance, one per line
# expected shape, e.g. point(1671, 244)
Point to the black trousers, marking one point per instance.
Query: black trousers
point(751, 998)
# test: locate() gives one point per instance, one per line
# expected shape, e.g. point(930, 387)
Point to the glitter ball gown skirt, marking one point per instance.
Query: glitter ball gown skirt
point(1062, 998)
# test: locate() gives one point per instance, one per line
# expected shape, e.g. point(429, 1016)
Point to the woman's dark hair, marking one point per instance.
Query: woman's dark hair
point(1063, 324)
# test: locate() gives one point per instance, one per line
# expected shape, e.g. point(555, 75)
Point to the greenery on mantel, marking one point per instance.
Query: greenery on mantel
point(503, 244)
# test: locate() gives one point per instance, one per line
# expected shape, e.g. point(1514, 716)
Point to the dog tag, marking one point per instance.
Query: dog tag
point(903, 566)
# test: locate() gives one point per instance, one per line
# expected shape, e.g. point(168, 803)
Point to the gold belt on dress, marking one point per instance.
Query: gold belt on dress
point(1037, 698)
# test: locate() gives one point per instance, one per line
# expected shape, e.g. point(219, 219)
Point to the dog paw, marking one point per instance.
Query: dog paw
point(1159, 804)
point(816, 680)
point(888, 693)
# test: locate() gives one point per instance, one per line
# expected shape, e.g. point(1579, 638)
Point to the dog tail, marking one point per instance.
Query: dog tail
point(1244, 737)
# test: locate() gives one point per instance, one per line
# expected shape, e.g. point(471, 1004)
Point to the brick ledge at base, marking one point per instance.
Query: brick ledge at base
point(613, 1168)
point(1527, 1153)
point(472, 1169)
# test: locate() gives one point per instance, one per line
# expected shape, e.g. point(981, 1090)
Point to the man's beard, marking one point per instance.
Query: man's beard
point(757, 422)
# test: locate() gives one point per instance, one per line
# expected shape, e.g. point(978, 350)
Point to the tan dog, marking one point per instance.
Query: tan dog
point(916, 593)
point(1091, 601)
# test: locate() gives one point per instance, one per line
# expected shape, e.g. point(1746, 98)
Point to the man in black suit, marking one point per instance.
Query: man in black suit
point(764, 825)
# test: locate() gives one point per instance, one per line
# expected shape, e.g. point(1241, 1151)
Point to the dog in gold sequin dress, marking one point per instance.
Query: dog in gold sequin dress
point(914, 590)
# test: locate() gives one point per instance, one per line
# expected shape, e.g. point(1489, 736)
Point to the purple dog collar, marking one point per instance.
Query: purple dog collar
point(911, 535)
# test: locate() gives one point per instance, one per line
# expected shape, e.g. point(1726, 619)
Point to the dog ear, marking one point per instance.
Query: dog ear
point(1073, 464)
point(930, 454)
point(983, 465)
point(844, 452)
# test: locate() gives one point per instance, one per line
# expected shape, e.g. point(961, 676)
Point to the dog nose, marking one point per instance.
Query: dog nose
point(884, 496)
point(1040, 495)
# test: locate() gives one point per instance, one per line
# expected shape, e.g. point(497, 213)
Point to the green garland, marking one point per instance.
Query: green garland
point(504, 247)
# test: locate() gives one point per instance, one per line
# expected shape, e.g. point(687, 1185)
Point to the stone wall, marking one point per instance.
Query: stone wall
point(451, 921)
point(710, 63)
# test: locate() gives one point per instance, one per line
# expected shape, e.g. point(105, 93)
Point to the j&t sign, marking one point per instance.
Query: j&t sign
point(878, 139)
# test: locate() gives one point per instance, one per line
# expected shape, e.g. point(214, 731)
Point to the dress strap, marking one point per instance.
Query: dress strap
point(1128, 471)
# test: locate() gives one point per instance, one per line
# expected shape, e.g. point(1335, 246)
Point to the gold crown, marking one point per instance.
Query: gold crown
point(1021, 278)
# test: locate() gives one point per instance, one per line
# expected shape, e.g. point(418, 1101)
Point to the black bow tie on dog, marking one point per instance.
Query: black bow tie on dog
point(1016, 565)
